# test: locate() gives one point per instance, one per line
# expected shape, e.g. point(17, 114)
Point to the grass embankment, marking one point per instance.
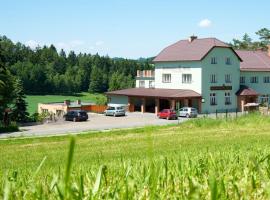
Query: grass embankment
point(199, 159)
point(33, 100)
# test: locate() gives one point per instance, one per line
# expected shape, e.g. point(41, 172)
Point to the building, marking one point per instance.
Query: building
point(59, 109)
point(204, 73)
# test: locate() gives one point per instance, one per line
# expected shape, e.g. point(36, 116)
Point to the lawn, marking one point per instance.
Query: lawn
point(199, 159)
point(33, 100)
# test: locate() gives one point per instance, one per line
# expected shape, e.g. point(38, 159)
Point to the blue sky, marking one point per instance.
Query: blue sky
point(128, 28)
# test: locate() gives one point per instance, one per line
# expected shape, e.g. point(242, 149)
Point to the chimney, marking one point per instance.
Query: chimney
point(191, 38)
point(78, 102)
point(268, 50)
point(67, 102)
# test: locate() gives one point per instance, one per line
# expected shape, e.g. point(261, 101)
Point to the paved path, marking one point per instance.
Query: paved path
point(96, 122)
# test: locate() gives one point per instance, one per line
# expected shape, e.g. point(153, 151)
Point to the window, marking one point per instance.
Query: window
point(45, 110)
point(142, 84)
point(186, 78)
point(213, 60)
point(266, 79)
point(166, 78)
point(151, 84)
point(228, 98)
point(242, 79)
point(213, 78)
point(213, 100)
point(228, 61)
point(254, 79)
point(264, 99)
point(228, 78)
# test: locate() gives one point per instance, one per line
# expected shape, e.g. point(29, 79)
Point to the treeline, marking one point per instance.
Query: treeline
point(246, 43)
point(46, 71)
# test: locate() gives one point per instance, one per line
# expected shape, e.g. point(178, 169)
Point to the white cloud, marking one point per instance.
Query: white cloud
point(32, 44)
point(75, 43)
point(99, 43)
point(205, 23)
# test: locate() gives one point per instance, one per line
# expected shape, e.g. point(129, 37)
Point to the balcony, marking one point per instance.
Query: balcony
point(145, 74)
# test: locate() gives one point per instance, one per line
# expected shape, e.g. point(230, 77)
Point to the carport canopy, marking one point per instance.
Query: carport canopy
point(156, 92)
point(161, 97)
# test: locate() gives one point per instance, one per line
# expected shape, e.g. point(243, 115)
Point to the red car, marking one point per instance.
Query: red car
point(167, 114)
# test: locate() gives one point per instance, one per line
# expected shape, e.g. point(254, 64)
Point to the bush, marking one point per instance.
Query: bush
point(7, 129)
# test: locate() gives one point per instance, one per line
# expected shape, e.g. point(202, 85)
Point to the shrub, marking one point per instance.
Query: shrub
point(7, 129)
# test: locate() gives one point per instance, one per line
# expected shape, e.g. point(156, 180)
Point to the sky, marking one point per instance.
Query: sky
point(128, 28)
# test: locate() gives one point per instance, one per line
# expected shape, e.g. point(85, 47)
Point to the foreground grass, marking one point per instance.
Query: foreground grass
point(200, 159)
point(33, 100)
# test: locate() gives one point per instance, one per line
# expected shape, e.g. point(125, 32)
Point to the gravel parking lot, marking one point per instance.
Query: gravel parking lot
point(96, 122)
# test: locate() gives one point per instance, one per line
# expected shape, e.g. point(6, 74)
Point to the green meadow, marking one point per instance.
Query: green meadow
point(199, 159)
point(33, 100)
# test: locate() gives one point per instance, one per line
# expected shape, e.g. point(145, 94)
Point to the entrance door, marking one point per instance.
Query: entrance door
point(164, 104)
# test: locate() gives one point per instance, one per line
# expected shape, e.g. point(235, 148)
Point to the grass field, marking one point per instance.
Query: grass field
point(33, 100)
point(199, 159)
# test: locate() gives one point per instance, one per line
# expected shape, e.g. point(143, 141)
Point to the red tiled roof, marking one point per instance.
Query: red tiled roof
point(189, 51)
point(254, 60)
point(246, 91)
point(149, 92)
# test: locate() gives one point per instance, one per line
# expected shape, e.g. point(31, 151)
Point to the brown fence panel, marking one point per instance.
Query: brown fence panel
point(95, 108)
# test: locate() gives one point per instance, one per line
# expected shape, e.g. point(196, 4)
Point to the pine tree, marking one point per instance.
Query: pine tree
point(96, 80)
point(19, 111)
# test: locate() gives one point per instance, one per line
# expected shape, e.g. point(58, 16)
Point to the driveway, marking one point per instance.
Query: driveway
point(96, 122)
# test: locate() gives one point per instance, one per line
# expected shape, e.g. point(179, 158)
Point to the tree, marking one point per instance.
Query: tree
point(120, 81)
point(96, 80)
point(264, 34)
point(19, 111)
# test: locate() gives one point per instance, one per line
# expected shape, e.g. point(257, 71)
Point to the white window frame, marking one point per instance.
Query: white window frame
point(213, 78)
point(213, 99)
point(254, 79)
point(166, 78)
point(186, 78)
point(228, 61)
point(228, 99)
point(242, 79)
point(228, 78)
point(141, 84)
point(214, 60)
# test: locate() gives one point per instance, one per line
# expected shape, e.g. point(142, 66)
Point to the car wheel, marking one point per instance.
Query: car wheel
point(187, 116)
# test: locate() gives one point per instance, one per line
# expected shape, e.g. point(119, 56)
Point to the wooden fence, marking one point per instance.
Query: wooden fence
point(95, 108)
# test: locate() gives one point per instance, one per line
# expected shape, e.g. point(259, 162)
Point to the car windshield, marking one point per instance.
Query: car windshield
point(193, 109)
point(111, 108)
point(83, 113)
point(120, 108)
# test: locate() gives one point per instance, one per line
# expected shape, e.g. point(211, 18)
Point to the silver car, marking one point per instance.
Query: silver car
point(188, 112)
point(115, 111)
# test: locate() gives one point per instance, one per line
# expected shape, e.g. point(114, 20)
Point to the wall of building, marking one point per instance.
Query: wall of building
point(177, 69)
point(52, 108)
point(117, 100)
point(220, 69)
point(146, 82)
point(260, 87)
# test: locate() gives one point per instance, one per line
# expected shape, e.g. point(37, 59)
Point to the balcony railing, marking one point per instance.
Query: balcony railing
point(146, 73)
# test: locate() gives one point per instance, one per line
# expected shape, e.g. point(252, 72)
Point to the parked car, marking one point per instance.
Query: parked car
point(167, 114)
point(76, 115)
point(188, 112)
point(115, 111)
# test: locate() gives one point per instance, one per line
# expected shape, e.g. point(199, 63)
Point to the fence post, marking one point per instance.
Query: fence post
point(226, 114)
point(216, 114)
point(236, 113)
